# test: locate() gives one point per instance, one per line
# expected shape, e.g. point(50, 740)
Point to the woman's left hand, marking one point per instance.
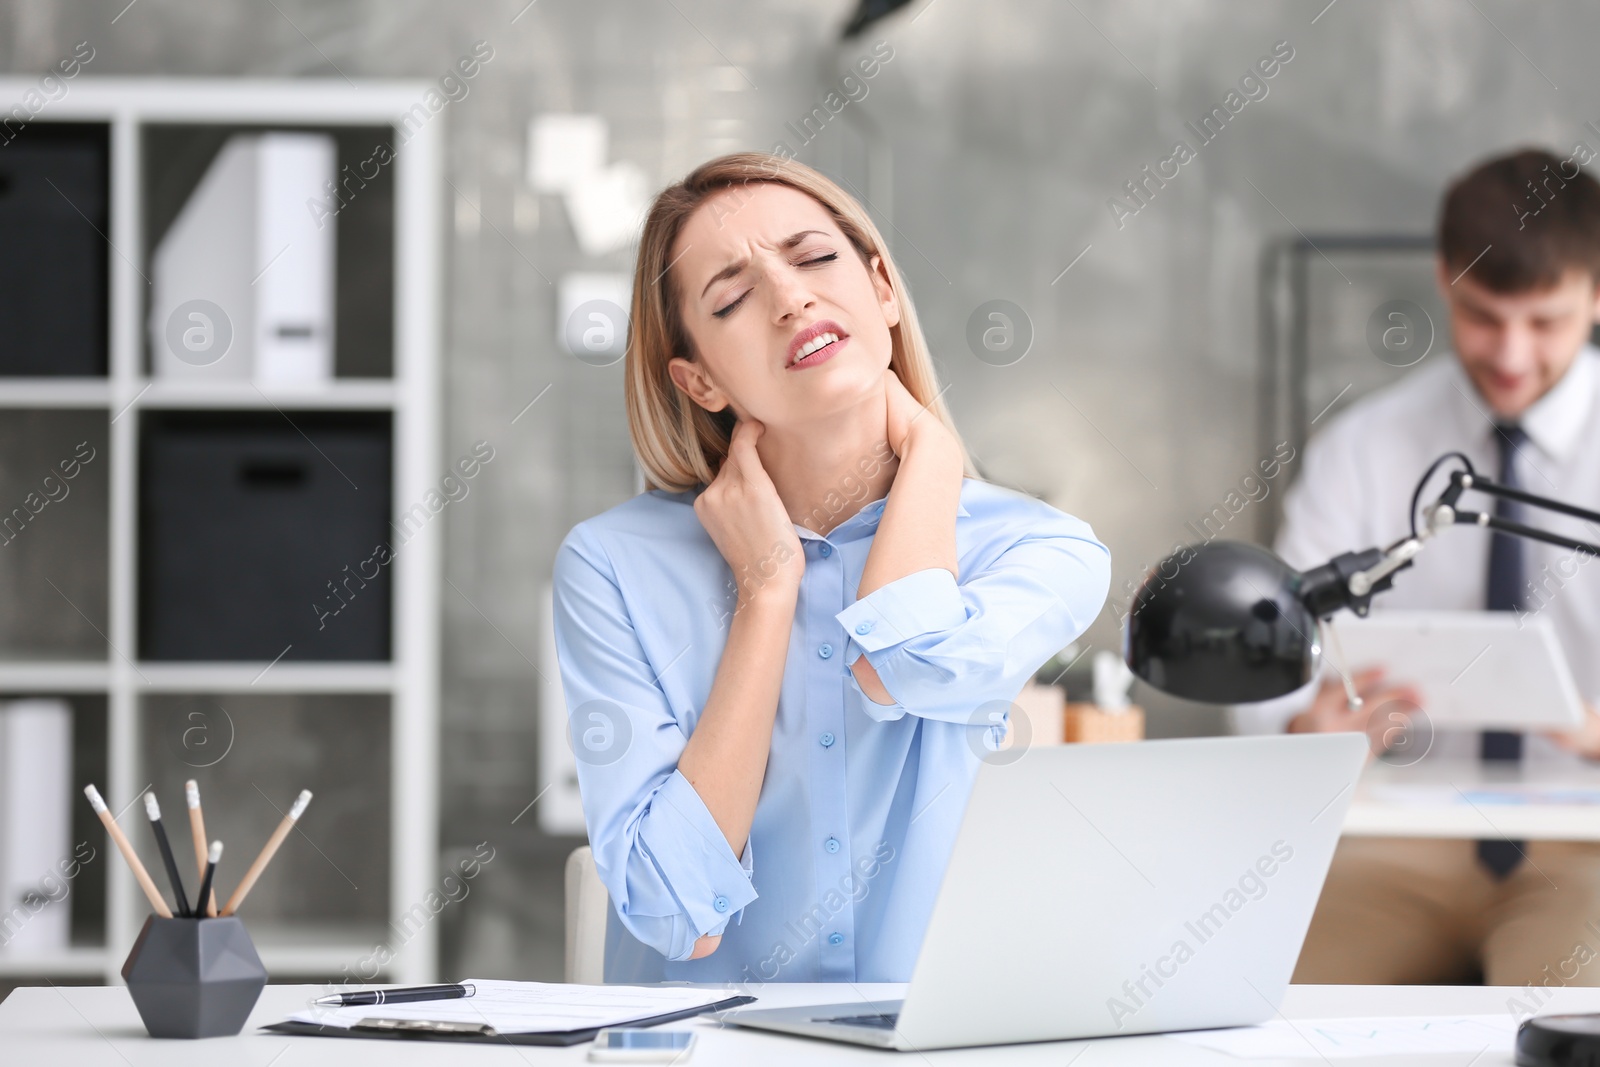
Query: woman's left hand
point(918, 527)
point(908, 420)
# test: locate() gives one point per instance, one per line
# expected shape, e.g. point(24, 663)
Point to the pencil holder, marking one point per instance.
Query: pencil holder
point(194, 977)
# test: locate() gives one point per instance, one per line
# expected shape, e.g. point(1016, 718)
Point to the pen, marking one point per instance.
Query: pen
point(152, 808)
point(197, 830)
point(211, 868)
point(453, 991)
point(267, 851)
point(143, 876)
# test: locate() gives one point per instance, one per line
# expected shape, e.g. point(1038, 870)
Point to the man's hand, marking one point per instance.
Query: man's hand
point(1585, 740)
point(1384, 711)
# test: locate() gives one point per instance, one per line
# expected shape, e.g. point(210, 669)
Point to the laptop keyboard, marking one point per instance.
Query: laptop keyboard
point(879, 1020)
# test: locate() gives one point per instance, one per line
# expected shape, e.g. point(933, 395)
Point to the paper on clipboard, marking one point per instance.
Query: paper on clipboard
point(531, 1007)
point(1475, 669)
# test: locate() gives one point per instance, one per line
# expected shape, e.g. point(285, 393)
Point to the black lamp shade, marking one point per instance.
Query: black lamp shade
point(1222, 623)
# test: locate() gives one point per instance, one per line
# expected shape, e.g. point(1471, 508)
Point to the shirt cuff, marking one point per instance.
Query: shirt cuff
point(747, 864)
point(709, 882)
point(922, 602)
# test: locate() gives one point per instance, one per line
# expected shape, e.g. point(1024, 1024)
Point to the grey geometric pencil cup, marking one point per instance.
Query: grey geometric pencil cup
point(194, 977)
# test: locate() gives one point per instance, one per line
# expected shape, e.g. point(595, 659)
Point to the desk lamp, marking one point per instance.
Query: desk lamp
point(1229, 623)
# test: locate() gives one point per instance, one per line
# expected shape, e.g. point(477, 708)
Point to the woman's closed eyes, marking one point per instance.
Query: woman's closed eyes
point(728, 309)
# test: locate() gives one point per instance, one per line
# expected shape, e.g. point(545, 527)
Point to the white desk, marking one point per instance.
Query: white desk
point(88, 1026)
point(1434, 798)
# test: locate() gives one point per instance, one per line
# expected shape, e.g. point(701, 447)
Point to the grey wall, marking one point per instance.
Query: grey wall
point(1002, 128)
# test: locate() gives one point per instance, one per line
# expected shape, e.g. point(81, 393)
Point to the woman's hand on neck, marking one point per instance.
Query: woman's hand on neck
point(918, 528)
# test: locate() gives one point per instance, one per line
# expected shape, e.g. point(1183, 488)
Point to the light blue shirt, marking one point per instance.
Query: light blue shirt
point(861, 801)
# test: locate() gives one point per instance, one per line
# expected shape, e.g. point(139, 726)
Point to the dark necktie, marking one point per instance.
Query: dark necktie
point(1507, 575)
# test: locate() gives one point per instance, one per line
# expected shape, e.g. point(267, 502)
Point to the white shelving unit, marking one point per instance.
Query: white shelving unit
point(410, 680)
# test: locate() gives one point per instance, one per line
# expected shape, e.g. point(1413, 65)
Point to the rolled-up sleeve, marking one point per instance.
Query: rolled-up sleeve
point(944, 649)
point(668, 868)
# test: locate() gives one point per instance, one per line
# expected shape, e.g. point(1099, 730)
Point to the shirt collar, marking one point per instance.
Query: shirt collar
point(1556, 421)
point(863, 523)
point(860, 524)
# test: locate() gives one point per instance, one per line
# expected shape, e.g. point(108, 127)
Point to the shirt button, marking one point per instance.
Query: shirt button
point(721, 904)
point(831, 845)
point(827, 740)
point(825, 651)
point(835, 939)
point(826, 550)
point(864, 627)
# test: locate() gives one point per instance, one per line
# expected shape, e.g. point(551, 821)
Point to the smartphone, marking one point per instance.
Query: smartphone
point(642, 1046)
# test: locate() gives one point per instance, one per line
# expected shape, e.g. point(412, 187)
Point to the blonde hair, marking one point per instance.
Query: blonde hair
point(680, 444)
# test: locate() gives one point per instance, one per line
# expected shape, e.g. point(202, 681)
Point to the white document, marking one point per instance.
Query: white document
point(1510, 794)
point(607, 207)
point(592, 315)
point(606, 203)
point(35, 825)
point(533, 1007)
point(565, 150)
point(1475, 669)
point(242, 283)
point(294, 260)
point(1401, 1035)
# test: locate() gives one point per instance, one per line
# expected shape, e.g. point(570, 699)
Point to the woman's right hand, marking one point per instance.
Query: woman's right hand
point(747, 521)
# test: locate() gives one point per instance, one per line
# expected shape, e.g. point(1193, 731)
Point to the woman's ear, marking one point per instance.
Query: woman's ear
point(887, 300)
point(691, 377)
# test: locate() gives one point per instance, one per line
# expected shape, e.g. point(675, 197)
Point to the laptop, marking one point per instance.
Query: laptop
point(1101, 890)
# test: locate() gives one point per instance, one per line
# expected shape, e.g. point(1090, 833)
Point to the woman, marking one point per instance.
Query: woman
point(783, 662)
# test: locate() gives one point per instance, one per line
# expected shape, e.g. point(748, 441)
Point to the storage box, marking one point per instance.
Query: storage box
point(1088, 724)
point(53, 265)
point(264, 530)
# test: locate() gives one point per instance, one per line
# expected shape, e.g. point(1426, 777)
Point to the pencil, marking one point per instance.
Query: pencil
point(143, 876)
point(152, 808)
point(211, 868)
point(197, 830)
point(267, 851)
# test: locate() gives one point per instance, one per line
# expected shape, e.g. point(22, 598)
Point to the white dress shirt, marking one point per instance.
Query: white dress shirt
point(1355, 487)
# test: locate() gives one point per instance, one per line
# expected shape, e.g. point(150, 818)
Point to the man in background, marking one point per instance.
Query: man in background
point(1518, 265)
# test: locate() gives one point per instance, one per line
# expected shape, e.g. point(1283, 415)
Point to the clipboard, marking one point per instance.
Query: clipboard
point(482, 1034)
point(1475, 669)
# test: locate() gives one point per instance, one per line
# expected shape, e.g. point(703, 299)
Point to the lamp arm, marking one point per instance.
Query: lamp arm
point(1444, 513)
point(1479, 518)
point(1350, 580)
point(1397, 556)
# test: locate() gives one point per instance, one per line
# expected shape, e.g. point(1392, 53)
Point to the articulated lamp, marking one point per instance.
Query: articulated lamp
point(1229, 623)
